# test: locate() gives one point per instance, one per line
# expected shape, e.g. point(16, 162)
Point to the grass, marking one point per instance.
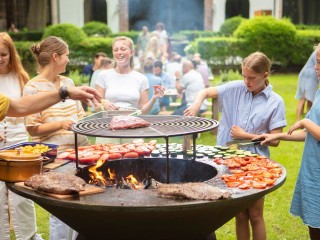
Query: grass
point(281, 225)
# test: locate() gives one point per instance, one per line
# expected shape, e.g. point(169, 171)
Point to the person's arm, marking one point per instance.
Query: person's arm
point(178, 84)
point(48, 128)
point(106, 104)
point(309, 125)
point(238, 133)
point(145, 105)
point(206, 93)
point(36, 103)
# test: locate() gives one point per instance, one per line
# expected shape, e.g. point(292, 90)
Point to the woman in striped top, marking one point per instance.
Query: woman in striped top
point(53, 125)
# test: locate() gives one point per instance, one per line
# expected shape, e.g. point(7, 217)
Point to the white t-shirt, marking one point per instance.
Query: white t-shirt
point(192, 82)
point(12, 128)
point(123, 90)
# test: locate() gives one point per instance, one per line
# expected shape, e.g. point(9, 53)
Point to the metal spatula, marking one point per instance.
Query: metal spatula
point(235, 144)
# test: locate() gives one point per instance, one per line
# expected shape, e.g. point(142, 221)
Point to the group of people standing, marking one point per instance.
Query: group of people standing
point(153, 45)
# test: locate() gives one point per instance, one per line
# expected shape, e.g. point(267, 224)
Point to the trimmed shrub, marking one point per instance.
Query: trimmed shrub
point(306, 40)
point(90, 46)
point(276, 38)
point(87, 49)
point(95, 28)
point(230, 25)
point(28, 61)
point(131, 34)
point(219, 51)
point(229, 75)
point(68, 32)
point(26, 35)
point(194, 34)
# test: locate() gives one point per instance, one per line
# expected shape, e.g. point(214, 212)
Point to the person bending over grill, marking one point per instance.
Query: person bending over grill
point(306, 199)
point(249, 108)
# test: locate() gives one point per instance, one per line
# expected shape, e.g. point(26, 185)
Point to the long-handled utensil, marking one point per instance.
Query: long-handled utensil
point(235, 144)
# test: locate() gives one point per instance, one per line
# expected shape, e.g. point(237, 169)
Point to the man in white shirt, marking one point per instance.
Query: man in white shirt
point(190, 84)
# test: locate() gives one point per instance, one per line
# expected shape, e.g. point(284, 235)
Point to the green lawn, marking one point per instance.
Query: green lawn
point(281, 225)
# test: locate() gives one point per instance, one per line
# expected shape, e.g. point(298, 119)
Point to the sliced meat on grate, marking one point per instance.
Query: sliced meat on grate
point(126, 122)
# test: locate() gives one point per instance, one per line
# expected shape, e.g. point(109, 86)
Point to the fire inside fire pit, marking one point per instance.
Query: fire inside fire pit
point(110, 179)
point(142, 173)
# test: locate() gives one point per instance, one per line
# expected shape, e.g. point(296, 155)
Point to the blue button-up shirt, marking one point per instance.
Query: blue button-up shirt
point(255, 114)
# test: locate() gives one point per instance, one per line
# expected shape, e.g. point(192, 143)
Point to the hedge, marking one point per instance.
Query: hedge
point(276, 38)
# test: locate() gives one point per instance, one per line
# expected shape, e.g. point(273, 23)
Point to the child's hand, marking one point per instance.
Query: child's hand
point(295, 126)
point(67, 124)
point(237, 132)
point(267, 138)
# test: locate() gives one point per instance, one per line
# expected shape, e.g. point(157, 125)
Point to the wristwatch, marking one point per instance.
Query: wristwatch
point(63, 93)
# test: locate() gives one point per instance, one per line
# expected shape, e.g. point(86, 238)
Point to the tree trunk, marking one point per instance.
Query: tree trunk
point(37, 15)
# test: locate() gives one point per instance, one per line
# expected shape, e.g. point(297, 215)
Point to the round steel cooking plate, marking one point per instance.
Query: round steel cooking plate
point(160, 126)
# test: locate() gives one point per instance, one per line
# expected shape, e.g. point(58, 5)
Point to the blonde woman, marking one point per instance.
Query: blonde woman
point(122, 87)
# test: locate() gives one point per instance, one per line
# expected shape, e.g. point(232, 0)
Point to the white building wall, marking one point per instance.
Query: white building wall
point(113, 15)
point(219, 14)
point(71, 11)
point(273, 5)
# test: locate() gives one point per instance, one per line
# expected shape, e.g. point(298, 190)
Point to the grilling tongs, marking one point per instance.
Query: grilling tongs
point(241, 143)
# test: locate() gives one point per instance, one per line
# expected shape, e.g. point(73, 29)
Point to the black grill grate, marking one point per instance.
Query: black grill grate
point(160, 126)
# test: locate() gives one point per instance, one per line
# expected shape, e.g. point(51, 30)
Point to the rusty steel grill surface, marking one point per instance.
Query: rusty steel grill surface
point(160, 126)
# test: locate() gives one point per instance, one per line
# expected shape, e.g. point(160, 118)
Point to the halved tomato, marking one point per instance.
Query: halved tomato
point(115, 155)
point(104, 156)
point(269, 181)
point(63, 155)
point(131, 155)
point(121, 150)
point(259, 185)
point(234, 184)
point(84, 159)
point(245, 185)
point(143, 150)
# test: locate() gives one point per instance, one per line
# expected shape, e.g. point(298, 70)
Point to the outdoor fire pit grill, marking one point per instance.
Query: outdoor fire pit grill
point(142, 214)
point(160, 127)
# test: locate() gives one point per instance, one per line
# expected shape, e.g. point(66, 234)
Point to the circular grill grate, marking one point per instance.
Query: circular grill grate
point(160, 126)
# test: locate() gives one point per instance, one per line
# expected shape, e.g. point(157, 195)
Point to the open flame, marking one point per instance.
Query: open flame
point(112, 174)
point(97, 177)
point(130, 182)
point(133, 183)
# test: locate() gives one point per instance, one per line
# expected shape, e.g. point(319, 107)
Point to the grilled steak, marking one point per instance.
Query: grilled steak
point(195, 191)
point(126, 122)
point(58, 183)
